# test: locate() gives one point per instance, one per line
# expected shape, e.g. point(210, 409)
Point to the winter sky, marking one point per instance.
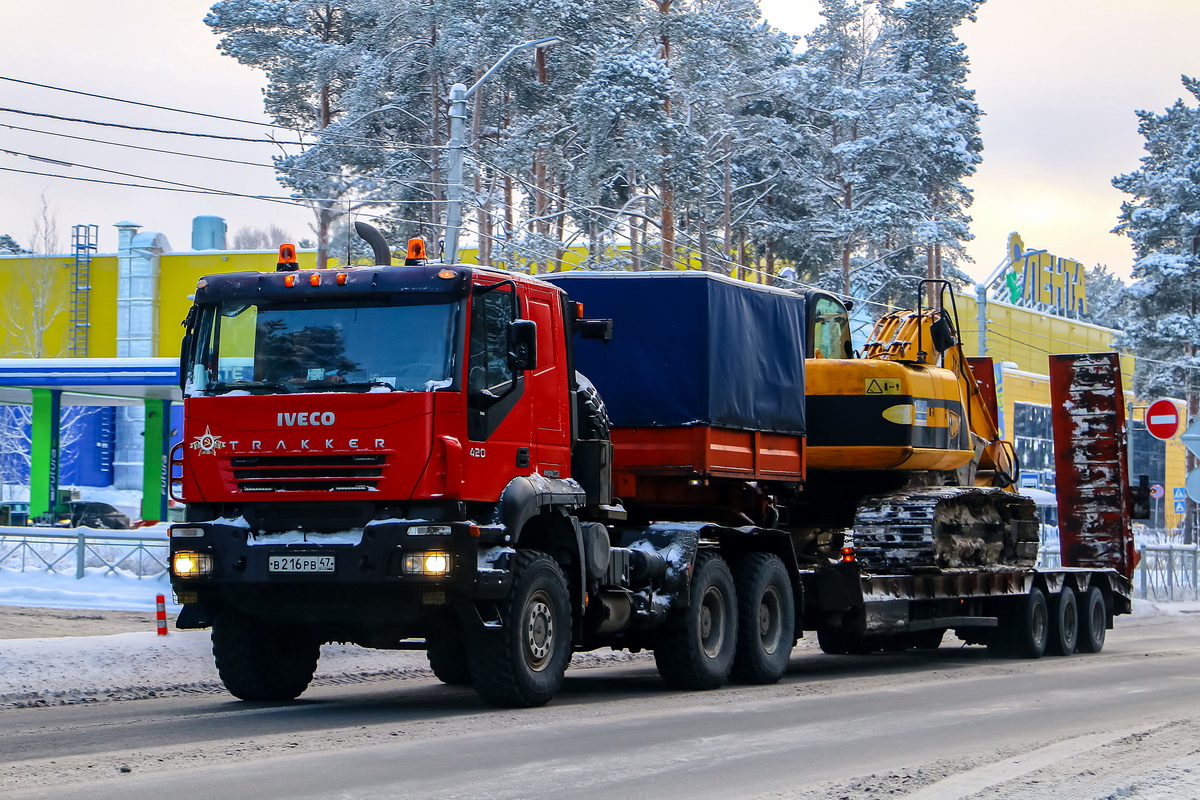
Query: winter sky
point(1058, 79)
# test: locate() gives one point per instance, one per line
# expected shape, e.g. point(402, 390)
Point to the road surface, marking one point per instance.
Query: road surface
point(932, 726)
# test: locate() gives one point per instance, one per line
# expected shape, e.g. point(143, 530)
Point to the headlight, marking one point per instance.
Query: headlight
point(182, 532)
point(427, 563)
point(186, 564)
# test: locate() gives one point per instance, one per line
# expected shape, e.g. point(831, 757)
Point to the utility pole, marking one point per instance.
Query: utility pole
point(459, 95)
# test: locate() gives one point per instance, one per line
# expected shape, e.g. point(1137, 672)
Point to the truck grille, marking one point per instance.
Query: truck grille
point(355, 472)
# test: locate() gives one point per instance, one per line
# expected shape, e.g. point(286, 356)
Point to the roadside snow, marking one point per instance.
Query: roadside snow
point(98, 589)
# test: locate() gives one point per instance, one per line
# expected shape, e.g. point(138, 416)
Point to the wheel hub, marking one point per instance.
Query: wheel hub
point(539, 632)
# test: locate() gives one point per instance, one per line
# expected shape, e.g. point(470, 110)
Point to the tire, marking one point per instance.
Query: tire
point(522, 664)
point(1093, 620)
point(1026, 628)
point(699, 642)
point(259, 663)
point(1064, 623)
point(590, 410)
point(448, 660)
point(766, 619)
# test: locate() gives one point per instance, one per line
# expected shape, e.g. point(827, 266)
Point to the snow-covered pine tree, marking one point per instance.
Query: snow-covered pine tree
point(946, 137)
point(1163, 223)
point(1162, 328)
point(325, 77)
point(1107, 298)
point(854, 112)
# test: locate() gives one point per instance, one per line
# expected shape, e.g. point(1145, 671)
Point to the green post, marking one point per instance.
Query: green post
point(155, 447)
point(44, 454)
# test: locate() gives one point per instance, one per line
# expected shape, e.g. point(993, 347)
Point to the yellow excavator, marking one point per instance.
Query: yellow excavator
point(903, 446)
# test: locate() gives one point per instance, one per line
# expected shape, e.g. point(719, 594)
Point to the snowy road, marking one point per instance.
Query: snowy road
point(955, 723)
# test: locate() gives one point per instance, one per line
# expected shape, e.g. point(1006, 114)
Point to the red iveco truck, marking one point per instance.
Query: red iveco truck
point(411, 458)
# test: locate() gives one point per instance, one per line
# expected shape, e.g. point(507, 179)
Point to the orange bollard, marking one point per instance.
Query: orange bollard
point(162, 615)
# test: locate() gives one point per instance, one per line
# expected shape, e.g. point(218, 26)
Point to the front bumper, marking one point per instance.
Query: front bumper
point(362, 580)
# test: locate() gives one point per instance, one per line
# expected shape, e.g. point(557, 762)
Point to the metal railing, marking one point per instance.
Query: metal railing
point(1165, 572)
point(1168, 572)
point(139, 556)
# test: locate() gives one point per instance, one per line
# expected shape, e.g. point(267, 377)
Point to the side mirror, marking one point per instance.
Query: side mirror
point(522, 345)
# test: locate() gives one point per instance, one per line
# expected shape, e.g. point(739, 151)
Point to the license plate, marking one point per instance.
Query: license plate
point(300, 564)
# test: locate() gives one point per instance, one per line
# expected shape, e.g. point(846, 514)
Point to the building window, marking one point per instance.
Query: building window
point(1033, 439)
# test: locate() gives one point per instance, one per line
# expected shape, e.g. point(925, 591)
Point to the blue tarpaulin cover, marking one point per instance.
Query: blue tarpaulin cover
point(693, 348)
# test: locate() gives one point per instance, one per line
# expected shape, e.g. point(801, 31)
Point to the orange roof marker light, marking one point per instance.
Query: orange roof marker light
point(416, 252)
point(287, 259)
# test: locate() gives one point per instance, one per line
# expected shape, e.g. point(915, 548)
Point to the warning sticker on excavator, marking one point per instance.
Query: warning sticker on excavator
point(883, 386)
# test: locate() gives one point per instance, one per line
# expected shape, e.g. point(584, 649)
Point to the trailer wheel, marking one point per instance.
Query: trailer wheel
point(256, 662)
point(766, 619)
point(1025, 629)
point(448, 659)
point(1093, 621)
point(522, 664)
point(1064, 623)
point(698, 643)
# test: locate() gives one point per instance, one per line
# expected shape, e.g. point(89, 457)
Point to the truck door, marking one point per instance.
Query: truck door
point(500, 439)
point(548, 390)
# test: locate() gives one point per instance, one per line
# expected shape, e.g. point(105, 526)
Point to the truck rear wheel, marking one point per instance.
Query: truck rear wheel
point(522, 665)
point(1024, 628)
point(766, 619)
point(448, 659)
point(1064, 623)
point(1093, 620)
point(257, 662)
point(698, 644)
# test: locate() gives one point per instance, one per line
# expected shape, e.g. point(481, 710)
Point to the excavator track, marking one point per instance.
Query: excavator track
point(946, 528)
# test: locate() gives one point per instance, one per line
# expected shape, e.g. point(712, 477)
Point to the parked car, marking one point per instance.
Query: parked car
point(14, 512)
point(92, 514)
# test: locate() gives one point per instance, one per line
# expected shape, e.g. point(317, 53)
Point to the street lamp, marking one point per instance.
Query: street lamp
point(459, 95)
point(982, 289)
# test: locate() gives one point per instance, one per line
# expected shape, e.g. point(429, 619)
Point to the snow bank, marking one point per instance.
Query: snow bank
point(98, 589)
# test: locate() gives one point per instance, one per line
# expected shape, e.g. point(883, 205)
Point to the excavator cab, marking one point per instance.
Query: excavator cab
point(828, 327)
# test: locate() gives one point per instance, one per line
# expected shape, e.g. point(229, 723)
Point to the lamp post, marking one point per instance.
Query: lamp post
point(459, 95)
point(981, 293)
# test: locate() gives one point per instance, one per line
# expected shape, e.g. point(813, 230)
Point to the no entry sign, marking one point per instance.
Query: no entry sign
point(1162, 419)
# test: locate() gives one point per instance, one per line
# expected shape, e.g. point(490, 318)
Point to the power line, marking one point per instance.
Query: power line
point(290, 129)
point(148, 105)
point(148, 130)
point(275, 167)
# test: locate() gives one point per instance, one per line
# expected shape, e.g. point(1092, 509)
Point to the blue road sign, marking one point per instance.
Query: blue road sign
point(1180, 507)
point(1178, 493)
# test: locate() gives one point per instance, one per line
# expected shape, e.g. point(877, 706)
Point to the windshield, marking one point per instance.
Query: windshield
point(301, 347)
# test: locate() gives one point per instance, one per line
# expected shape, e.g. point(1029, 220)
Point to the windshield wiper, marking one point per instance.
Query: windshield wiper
point(356, 386)
point(248, 386)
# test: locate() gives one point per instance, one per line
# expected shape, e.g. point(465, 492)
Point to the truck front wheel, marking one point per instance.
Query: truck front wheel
point(522, 664)
point(698, 644)
point(766, 619)
point(258, 662)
